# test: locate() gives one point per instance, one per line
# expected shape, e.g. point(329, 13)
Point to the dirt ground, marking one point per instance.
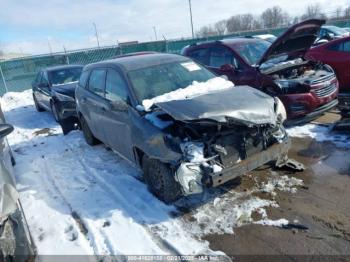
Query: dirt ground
point(322, 205)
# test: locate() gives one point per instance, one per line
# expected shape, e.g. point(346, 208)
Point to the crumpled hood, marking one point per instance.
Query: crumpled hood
point(66, 89)
point(241, 105)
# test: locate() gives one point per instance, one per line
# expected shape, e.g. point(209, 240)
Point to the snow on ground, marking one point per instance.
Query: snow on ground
point(320, 133)
point(86, 200)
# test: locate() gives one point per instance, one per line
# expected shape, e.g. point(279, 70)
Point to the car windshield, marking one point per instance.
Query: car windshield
point(252, 52)
point(65, 76)
point(157, 80)
point(337, 30)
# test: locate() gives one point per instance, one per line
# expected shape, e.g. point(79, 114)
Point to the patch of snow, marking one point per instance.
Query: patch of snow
point(196, 89)
point(276, 223)
point(320, 134)
point(282, 183)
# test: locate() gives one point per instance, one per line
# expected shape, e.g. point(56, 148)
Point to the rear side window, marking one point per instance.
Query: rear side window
point(97, 81)
point(346, 46)
point(220, 56)
point(84, 78)
point(336, 47)
point(116, 88)
point(199, 55)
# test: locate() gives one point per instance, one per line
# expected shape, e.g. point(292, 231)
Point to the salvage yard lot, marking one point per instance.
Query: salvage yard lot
point(87, 200)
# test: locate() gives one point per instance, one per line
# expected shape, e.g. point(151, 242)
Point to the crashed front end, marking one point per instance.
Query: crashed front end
point(222, 136)
point(230, 152)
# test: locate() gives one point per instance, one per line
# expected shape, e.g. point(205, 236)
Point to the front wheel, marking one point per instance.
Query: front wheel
point(160, 180)
point(88, 135)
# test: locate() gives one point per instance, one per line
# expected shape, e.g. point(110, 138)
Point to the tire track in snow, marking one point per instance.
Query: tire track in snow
point(72, 211)
point(162, 243)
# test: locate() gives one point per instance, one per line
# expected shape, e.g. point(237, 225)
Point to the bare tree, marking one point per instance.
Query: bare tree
point(274, 17)
point(347, 12)
point(313, 11)
point(206, 31)
point(241, 23)
point(220, 27)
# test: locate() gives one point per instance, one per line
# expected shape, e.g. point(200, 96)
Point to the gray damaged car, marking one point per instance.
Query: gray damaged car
point(16, 243)
point(186, 128)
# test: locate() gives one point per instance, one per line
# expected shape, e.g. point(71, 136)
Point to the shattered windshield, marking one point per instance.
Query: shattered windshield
point(160, 79)
point(65, 76)
point(252, 52)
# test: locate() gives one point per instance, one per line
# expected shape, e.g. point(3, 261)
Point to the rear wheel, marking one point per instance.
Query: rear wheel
point(160, 180)
point(37, 106)
point(89, 137)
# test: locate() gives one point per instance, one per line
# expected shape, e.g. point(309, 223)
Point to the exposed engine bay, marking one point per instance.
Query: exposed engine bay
point(296, 76)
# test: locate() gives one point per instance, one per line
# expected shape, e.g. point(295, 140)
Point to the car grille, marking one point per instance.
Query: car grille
point(326, 91)
point(323, 79)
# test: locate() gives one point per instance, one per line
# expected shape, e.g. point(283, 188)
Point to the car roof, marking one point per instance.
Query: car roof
point(60, 67)
point(140, 61)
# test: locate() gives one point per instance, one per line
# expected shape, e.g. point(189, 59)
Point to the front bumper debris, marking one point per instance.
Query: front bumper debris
point(273, 153)
point(194, 179)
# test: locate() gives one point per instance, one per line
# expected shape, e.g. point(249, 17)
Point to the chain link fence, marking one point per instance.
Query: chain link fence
point(18, 74)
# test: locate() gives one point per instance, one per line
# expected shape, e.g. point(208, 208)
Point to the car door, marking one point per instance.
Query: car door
point(115, 120)
point(36, 88)
point(45, 90)
point(339, 58)
point(93, 102)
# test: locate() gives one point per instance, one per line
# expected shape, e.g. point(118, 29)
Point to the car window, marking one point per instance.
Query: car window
point(65, 76)
point(336, 47)
point(220, 56)
point(346, 46)
point(38, 78)
point(44, 79)
point(84, 78)
point(116, 88)
point(97, 81)
point(153, 81)
point(199, 55)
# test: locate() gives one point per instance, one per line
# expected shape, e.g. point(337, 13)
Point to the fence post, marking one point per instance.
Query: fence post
point(3, 79)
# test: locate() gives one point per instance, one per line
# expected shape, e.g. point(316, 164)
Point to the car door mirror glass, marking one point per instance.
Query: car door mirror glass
point(5, 130)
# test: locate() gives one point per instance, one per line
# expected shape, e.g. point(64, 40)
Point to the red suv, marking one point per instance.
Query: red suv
point(307, 88)
point(336, 54)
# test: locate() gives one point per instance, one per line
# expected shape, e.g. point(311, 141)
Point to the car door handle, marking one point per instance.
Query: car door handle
point(83, 100)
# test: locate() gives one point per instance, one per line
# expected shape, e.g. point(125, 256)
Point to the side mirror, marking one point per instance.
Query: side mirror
point(119, 105)
point(5, 130)
point(228, 68)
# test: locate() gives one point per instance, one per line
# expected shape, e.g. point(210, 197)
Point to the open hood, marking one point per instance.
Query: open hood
point(240, 105)
point(295, 42)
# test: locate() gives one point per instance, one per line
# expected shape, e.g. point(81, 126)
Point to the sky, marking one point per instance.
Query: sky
point(32, 26)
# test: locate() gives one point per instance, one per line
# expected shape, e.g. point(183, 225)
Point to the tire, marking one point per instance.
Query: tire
point(54, 110)
point(160, 180)
point(37, 106)
point(89, 137)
